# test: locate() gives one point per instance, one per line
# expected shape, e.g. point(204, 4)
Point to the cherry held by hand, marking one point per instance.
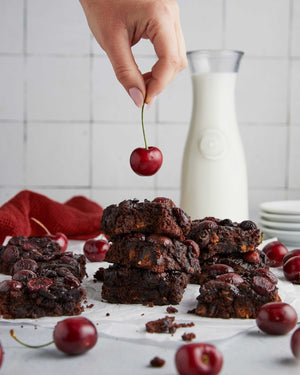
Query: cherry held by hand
point(72, 336)
point(198, 359)
point(95, 250)
point(145, 161)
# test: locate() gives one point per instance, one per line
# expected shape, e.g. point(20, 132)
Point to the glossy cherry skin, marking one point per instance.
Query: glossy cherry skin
point(291, 269)
point(275, 251)
point(95, 250)
point(295, 343)
point(276, 318)
point(60, 238)
point(1, 354)
point(198, 359)
point(75, 335)
point(146, 162)
point(290, 254)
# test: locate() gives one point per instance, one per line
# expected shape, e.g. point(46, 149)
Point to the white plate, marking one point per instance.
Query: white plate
point(288, 238)
point(277, 225)
point(280, 218)
point(281, 207)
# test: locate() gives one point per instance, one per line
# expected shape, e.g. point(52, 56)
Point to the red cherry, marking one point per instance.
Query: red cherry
point(290, 254)
point(72, 336)
point(146, 162)
point(295, 343)
point(276, 318)
point(291, 269)
point(60, 238)
point(275, 251)
point(95, 250)
point(198, 359)
point(75, 335)
point(1, 354)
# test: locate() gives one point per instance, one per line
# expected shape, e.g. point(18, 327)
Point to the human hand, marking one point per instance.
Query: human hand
point(119, 24)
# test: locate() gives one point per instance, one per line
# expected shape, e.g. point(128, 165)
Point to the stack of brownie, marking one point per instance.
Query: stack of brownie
point(45, 281)
point(152, 260)
point(235, 280)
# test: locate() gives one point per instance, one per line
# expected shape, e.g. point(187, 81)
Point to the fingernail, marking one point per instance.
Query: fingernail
point(150, 104)
point(136, 96)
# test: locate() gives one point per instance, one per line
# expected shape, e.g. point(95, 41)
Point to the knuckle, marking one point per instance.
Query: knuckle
point(123, 73)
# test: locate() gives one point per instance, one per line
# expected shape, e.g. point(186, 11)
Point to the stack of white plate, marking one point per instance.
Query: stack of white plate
point(281, 219)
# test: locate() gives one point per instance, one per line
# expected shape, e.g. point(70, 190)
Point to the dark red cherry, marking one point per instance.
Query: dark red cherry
point(276, 318)
point(198, 359)
point(1, 354)
point(290, 254)
point(75, 335)
point(291, 269)
point(24, 276)
point(58, 237)
point(95, 250)
point(231, 277)
point(295, 343)
point(252, 256)
point(146, 162)
point(275, 251)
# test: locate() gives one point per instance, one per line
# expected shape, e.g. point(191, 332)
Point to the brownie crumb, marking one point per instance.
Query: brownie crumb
point(157, 362)
point(107, 314)
point(188, 336)
point(181, 325)
point(90, 306)
point(171, 310)
point(164, 325)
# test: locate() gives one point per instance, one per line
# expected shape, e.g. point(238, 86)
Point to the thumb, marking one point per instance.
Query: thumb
point(125, 67)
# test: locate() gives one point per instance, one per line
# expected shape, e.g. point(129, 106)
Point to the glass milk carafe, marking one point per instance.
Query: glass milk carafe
point(214, 176)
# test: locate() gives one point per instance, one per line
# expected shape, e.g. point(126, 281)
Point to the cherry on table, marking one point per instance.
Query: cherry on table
point(291, 269)
point(290, 254)
point(276, 318)
point(95, 250)
point(60, 238)
point(275, 251)
point(72, 336)
point(198, 359)
point(1, 354)
point(295, 343)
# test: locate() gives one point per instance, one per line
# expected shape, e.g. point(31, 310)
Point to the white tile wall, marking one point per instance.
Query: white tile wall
point(58, 154)
point(11, 88)
point(258, 27)
point(58, 88)
point(295, 92)
point(294, 156)
point(56, 27)
point(68, 127)
point(11, 32)
point(262, 90)
point(295, 25)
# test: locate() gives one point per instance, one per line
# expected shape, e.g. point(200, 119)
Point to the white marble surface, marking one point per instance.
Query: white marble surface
point(124, 347)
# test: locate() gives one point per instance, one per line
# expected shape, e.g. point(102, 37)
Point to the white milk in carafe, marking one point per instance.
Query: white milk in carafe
point(214, 177)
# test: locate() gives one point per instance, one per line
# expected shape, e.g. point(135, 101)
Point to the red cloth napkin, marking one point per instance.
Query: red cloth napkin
point(78, 218)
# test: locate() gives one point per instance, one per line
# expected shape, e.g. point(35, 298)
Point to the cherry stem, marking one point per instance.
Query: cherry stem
point(13, 335)
point(146, 147)
point(40, 224)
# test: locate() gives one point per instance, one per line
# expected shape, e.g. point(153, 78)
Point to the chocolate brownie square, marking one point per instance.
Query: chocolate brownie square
point(216, 236)
point(230, 295)
point(28, 295)
point(155, 252)
point(134, 285)
point(160, 216)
